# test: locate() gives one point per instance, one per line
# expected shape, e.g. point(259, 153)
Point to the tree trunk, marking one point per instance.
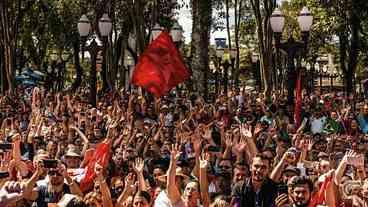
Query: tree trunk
point(78, 69)
point(7, 38)
point(2, 71)
point(9, 68)
point(105, 83)
point(262, 14)
point(202, 13)
point(353, 52)
point(226, 73)
point(237, 16)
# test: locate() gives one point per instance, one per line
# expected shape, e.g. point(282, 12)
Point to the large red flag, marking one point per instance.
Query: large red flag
point(298, 102)
point(100, 156)
point(160, 67)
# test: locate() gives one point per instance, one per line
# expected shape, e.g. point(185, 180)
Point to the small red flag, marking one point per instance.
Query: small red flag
point(298, 102)
point(320, 196)
point(160, 67)
point(100, 156)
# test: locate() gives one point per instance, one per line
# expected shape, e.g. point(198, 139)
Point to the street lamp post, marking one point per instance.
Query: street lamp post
point(233, 54)
point(256, 71)
point(324, 72)
point(129, 62)
point(224, 59)
point(84, 28)
point(291, 47)
point(226, 63)
point(176, 33)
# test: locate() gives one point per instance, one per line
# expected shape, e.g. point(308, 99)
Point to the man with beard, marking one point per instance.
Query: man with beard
point(258, 190)
point(300, 190)
point(53, 188)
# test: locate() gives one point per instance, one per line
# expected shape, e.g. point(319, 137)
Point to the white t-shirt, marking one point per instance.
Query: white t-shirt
point(162, 200)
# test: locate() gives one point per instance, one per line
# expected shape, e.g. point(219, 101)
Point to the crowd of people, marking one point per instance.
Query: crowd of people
point(133, 150)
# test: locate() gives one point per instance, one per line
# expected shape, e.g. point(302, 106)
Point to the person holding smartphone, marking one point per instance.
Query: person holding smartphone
point(52, 189)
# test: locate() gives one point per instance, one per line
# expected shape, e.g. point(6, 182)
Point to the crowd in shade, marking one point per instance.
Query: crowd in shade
point(133, 150)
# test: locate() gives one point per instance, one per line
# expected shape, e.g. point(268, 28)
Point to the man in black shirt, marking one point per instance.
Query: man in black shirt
point(259, 190)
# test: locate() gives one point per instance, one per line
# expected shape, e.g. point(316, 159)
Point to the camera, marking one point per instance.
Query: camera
point(50, 163)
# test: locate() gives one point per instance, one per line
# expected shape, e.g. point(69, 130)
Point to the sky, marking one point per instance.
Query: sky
point(185, 20)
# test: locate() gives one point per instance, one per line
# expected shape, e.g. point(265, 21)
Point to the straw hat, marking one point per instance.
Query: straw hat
point(179, 172)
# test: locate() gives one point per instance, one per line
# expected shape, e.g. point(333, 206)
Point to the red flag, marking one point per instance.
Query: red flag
point(160, 67)
point(298, 102)
point(100, 156)
point(320, 196)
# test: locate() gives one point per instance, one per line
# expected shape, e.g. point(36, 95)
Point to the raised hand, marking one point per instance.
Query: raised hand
point(229, 141)
point(310, 143)
point(207, 133)
point(282, 200)
point(204, 161)
point(99, 172)
point(240, 146)
point(130, 182)
point(11, 192)
point(175, 153)
point(40, 169)
point(258, 128)
point(289, 157)
point(245, 131)
point(138, 165)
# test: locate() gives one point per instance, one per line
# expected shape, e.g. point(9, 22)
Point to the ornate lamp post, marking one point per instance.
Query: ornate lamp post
point(291, 47)
point(84, 28)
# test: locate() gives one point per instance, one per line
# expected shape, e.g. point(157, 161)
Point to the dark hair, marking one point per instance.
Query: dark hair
point(300, 180)
point(145, 195)
point(263, 157)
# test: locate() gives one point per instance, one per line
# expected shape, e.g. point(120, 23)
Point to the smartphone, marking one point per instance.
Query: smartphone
point(7, 146)
point(4, 175)
point(49, 163)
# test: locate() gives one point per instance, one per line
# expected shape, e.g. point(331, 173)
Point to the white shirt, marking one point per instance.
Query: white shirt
point(162, 200)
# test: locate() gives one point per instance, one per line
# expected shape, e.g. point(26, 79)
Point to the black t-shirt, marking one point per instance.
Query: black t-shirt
point(45, 197)
point(245, 195)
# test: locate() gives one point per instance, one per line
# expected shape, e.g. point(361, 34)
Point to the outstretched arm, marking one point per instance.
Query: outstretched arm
point(138, 168)
point(203, 180)
point(173, 192)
